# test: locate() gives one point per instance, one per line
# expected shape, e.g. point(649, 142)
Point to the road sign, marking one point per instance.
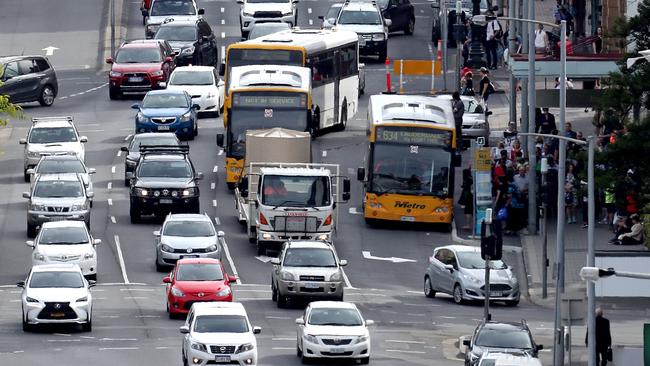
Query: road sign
point(482, 160)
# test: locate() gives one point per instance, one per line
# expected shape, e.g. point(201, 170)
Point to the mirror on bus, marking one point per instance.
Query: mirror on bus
point(458, 159)
point(220, 139)
point(361, 174)
point(222, 69)
point(346, 185)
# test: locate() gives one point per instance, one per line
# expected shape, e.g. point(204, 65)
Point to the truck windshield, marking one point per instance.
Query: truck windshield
point(295, 191)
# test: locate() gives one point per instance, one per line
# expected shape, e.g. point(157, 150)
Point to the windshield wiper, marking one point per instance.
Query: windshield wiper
point(285, 202)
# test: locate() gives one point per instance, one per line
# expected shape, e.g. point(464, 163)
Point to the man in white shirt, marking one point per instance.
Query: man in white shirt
point(493, 34)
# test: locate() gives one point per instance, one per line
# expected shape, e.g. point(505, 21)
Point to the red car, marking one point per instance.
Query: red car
point(140, 66)
point(196, 280)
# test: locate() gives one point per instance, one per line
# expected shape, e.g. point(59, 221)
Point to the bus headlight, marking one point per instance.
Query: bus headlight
point(374, 204)
point(441, 210)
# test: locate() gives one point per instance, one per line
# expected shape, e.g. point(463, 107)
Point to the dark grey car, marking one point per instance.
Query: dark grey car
point(28, 79)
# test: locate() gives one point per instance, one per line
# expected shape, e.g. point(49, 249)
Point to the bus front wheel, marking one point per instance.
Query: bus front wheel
point(344, 117)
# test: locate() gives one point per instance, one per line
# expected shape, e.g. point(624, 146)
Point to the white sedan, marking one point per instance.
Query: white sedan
point(66, 242)
point(333, 329)
point(203, 84)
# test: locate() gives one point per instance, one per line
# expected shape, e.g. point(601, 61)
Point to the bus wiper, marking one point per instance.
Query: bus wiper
point(285, 202)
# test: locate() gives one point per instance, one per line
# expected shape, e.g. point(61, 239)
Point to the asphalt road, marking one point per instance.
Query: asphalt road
point(129, 319)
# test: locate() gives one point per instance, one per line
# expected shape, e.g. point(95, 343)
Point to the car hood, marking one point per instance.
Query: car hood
point(225, 339)
point(312, 271)
point(55, 147)
point(194, 287)
point(148, 67)
point(158, 19)
point(72, 249)
point(361, 28)
point(58, 201)
point(57, 294)
point(182, 242)
point(180, 44)
point(163, 112)
point(164, 182)
point(195, 89)
point(496, 275)
point(472, 118)
point(479, 350)
point(332, 330)
point(284, 7)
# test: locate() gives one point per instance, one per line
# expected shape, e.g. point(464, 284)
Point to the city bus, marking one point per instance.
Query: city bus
point(409, 168)
point(331, 55)
point(263, 97)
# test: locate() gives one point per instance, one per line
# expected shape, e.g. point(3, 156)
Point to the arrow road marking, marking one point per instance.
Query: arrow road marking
point(263, 258)
point(367, 255)
point(49, 51)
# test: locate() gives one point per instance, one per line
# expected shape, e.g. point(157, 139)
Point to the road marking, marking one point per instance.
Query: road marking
point(163, 347)
point(400, 341)
point(366, 254)
point(231, 262)
point(113, 169)
point(263, 258)
point(311, 22)
point(308, 10)
point(128, 137)
point(119, 153)
point(63, 340)
point(220, 152)
point(62, 334)
point(215, 169)
point(217, 221)
point(121, 259)
point(109, 185)
point(404, 351)
point(135, 298)
point(138, 289)
point(324, 153)
point(118, 339)
point(118, 348)
point(346, 279)
point(214, 203)
point(283, 348)
point(223, 34)
point(213, 185)
point(86, 337)
point(223, 21)
point(353, 211)
point(113, 220)
point(222, 10)
point(110, 202)
point(282, 339)
point(49, 50)
point(447, 317)
point(414, 314)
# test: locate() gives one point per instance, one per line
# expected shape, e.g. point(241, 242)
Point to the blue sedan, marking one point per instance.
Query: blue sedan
point(167, 111)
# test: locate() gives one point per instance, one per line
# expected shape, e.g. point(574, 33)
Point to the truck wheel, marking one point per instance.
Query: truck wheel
point(31, 230)
point(383, 53)
point(135, 215)
point(410, 27)
point(114, 93)
point(261, 249)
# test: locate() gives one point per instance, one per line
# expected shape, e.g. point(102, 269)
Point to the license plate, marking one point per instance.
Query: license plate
point(57, 315)
point(165, 201)
point(336, 350)
point(163, 128)
point(189, 256)
point(135, 79)
point(312, 285)
point(407, 218)
point(496, 293)
point(57, 218)
point(221, 358)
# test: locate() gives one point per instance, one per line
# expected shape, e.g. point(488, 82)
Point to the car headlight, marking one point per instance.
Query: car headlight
point(471, 279)
point(188, 50)
point(38, 256)
point(30, 299)
point(199, 346)
point(378, 37)
point(247, 14)
point(166, 248)
point(78, 207)
point(186, 117)
point(37, 207)
point(212, 248)
point(142, 192)
point(224, 292)
point(335, 277)
point(361, 339)
point(441, 210)
point(130, 162)
point(89, 255)
point(374, 204)
point(82, 299)
point(190, 192)
point(176, 292)
point(245, 347)
point(287, 276)
point(33, 154)
point(157, 73)
point(311, 338)
point(114, 74)
point(141, 117)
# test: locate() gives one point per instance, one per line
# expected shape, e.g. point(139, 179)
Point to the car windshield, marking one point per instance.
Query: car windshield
point(58, 189)
point(220, 324)
point(199, 272)
point(152, 141)
point(165, 169)
point(192, 78)
point(295, 191)
point(190, 228)
point(177, 33)
point(263, 29)
point(266, 1)
point(172, 7)
point(382, 3)
point(148, 55)
point(359, 17)
point(503, 338)
point(56, 279)
point(473, 260)
point(60, 166)
point(472, 106)
point(340, 317)
point(309, 257)
point(63, 235)
point(165, 101)
point(50, 135)
point(333, 11)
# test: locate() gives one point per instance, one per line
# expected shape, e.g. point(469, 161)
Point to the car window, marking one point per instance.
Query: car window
point(56, 279)
point(190, 228)
point(473, 260)
point(63, 235)
point(503, 338)
point(334, 316)
point(165, 101)
point(48, 135)
point(220, 324)
point(472, 106)
point(165, 169)
point(199, 272)
point(359, 17)
point(192, 78)
point(440, 255)
point(26, 67)
point(11, 70)
point(179, 7)
point(147, 55)
point(152, 141)
point(309, 257)
point(333, 12)
point(58, 189)
point(49, 166)
point(42, 64)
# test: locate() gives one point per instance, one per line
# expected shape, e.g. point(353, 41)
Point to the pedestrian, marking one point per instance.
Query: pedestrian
point(458, 108)
point(636, 235)
point(493, 35)
point(468, 84)
point(547, 122)
point(569, 46)
point(541, 40)
point(603, 338)
point(598, 41)
point(515, 149)
point(467, 198)
point(465, 51)
point(485, 85)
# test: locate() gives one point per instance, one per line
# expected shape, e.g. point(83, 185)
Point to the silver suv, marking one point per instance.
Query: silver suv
point(309, 269)
point(56, 197)
point(367, 20)
point(51, 135)
point(179, 10)
point(265, 11)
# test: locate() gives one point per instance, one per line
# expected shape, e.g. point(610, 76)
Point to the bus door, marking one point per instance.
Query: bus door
point(337, 81)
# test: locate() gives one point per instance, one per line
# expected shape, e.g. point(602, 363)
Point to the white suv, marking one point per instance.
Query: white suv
point(48, 136)
point(265, 11)
point(219, 332)
point(367, 20)
point(178, 10)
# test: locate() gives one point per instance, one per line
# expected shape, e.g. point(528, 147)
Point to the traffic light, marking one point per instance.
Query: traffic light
point(491, 241)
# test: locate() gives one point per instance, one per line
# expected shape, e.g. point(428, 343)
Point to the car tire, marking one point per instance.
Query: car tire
point(31, 230)
point(458, 294)
point(26, 176)
point(46, 98)
point(88, 223)
point(135, 215)
point(93, 276)
point(274, 293)
point(304, 360)
point(428, 288)
point(26, 326)
point(196, 128)
point(383, 53)
point(365, 360)
point(160, 267)
point(512, 303)
point(114, 93)
point(185, 363)
point(88, 326)
point(127, 182)
point(282, 301)
point(298, 351)
point(409, 27)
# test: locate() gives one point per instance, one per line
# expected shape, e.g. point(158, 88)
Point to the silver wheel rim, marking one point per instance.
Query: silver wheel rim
point(427, 286)
point(411, 26)
point(48, 95)
point(457, 294)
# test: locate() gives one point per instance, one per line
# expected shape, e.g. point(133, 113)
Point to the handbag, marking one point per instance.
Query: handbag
point(610, 355)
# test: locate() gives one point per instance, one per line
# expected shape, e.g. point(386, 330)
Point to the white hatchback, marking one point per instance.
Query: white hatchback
point(333, 329)
point(203, 84)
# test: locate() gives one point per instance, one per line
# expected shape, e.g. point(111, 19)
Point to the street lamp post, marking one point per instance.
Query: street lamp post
point(593, 274)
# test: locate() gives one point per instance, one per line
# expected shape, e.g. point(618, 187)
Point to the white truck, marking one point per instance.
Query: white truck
point(282, 195)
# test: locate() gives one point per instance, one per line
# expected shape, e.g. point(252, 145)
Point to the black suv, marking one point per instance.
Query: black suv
point(400, 12)
point(164, 181)
point(492, 336)
point(28, 79)
point(192, 40)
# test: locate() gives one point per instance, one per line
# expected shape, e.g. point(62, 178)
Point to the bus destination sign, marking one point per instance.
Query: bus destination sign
point(269, 101)
point(414, 136)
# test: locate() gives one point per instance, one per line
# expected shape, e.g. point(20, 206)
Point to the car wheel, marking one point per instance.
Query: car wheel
point(114, 93)
point(127, 182)
point(93, 276)
point(135, 215)
point(27, 177)
point(88, 326)
point(298, 351)
point(46, 98)
point(365, 360)
point(428, 289)
point(26, 326)
point(458, 294)
point(88, 223)
point(31, 230)
point(304, 360)
point(410, 27)
point(159, 267)
point(282, 301)
point(185, 363)
point(383, 53)
point(274, 293)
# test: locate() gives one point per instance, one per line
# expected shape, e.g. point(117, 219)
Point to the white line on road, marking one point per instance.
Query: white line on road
point(311, 22)
point(109, 185)
point(213, 185)
point(63, 340)
point(400, 341)
point(217, 220)
point(353, 211)
point(223, 34)
point(118, 348)
point(128, 137)
point(62, 334)
point(113, 169)
point(214, 203)
point(220, 152)
point(403, 351)
point(231, 262)
point(282, 339)
point(113, 220)
point(118, 339)
point(163, 347)
point(119, 153)
point(110, 202)
point(324, 153)
point(223, 21)
point(222, 10)
point(308, 10)
point(87, 337)
point(447, 317)
point(346, 279)
point(121, 259)
point(215, 169)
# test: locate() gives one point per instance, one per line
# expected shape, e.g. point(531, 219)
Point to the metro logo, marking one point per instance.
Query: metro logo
point(400, 204)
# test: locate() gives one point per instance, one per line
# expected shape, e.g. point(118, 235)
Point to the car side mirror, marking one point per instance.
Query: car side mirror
point(361, 174)
point(156, 233)
point(295, 1)
point(222, 69)
point(184, 329)
point(169, 59)
point(539, 347)
point(370, 322)
point(90, 194)
point(92, 283)
point(22, 141)
point(135, 106)
point(83, 139)
point(201, 11)
point(343, 263)
point(124, 148)
point(26, 195)
point(130, 175)
point(30, 171)
point(275, 261)
point(199, 176)
point(92, 170)
point(232, 279)
point(97, 241)
point(220, 83)
point(167, 279)
point(345, 196)
point(30, 243)
point(240, 1)
point(300, 321)
point(488, 113)
point(20, 284)
point(388, 22)
point(257, 330)
point(449, 267)
point(109, 60)
point(221, 234)
point(321, 17)
point(220, 139)
point(466, 342)
point(196, 106)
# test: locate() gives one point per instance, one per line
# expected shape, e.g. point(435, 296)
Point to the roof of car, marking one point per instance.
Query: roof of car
point(146, 135)
point(59, 176)
point(165, 91)
point(64, 223)
point(66, 156)
point(197, 261)
point(309, 244)
point(52, 123)
point(359, 6)
point(504, 325)
point(460, 248)
point(59, 267)
point(332, 305)
point(187, 216)
point(218, 308)
point(154, 156)
point(8, 58)
point(141, 43)
point(194, 68)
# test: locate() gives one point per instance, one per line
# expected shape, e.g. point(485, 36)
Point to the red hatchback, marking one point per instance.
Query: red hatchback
point(196, 280)
point(140, 66)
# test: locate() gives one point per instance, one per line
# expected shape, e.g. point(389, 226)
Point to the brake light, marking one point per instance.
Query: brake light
point(263, 220)
point(328, 220)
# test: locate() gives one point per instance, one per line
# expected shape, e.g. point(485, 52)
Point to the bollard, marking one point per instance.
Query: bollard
point(388, 87)
point(433, 77)
point(401, 71)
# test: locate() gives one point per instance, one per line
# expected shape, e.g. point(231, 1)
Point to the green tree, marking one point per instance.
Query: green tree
point(8, 109)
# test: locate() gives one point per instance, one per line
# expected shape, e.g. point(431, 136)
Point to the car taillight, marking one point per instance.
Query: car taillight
point(263, 220)
point(328, 220)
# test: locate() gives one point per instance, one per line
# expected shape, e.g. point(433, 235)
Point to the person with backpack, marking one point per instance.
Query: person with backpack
point(494, 34)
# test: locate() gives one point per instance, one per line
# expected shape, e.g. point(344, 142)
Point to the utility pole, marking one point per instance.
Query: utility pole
point(112, 5)
point(445, 38)
point(532, 156)
point(544, 229)
point(512, 37)
point(459, 34)
point(591, 257)
point(525, 82)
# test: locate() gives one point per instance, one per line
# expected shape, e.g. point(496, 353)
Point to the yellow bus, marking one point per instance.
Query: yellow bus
point(409, 169)
point(262, 97)
point(332, 56)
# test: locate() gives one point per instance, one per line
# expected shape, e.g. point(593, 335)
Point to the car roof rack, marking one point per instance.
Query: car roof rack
point(139, 40)
point(51, 119)
point(165, 149)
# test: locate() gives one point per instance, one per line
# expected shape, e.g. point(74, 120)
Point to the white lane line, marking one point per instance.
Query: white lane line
point(120, 258)
point(284, 348)
point(118, 339)
point(138, 289)
point(113, 220)
point(223, 21)
point(308, 10)
point(403, 351)
point(215, 169)
point(16, 300)
point(324, 153)
point(91, 131)
point(118, 348)
point(353, 211)
point(119, 153)
point(63, 340)
point(214, 203)
point(222, 10)
point(62, 334)
point(113, 169)
point(223, 34)
point(346, 280)
point(128, 137)
point(231, 262)
point(213, 185)
point(110, 202)
point(135, 298)
point(400, 341)
point(220, 152)
point(87, 337)
point(311, 22)
point(282, 339)
point(163, 347)
point(447, 317)
point(217, 221)
point(109, 185)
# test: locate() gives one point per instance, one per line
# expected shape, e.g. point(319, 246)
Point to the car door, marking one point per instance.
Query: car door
point(447, 275)
point(301, 328)
point(12, 84)
point(436, 269)
point(206, 44)
point(30, 80)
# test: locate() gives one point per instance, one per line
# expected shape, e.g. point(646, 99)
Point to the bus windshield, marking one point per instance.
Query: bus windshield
point(252, 56)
